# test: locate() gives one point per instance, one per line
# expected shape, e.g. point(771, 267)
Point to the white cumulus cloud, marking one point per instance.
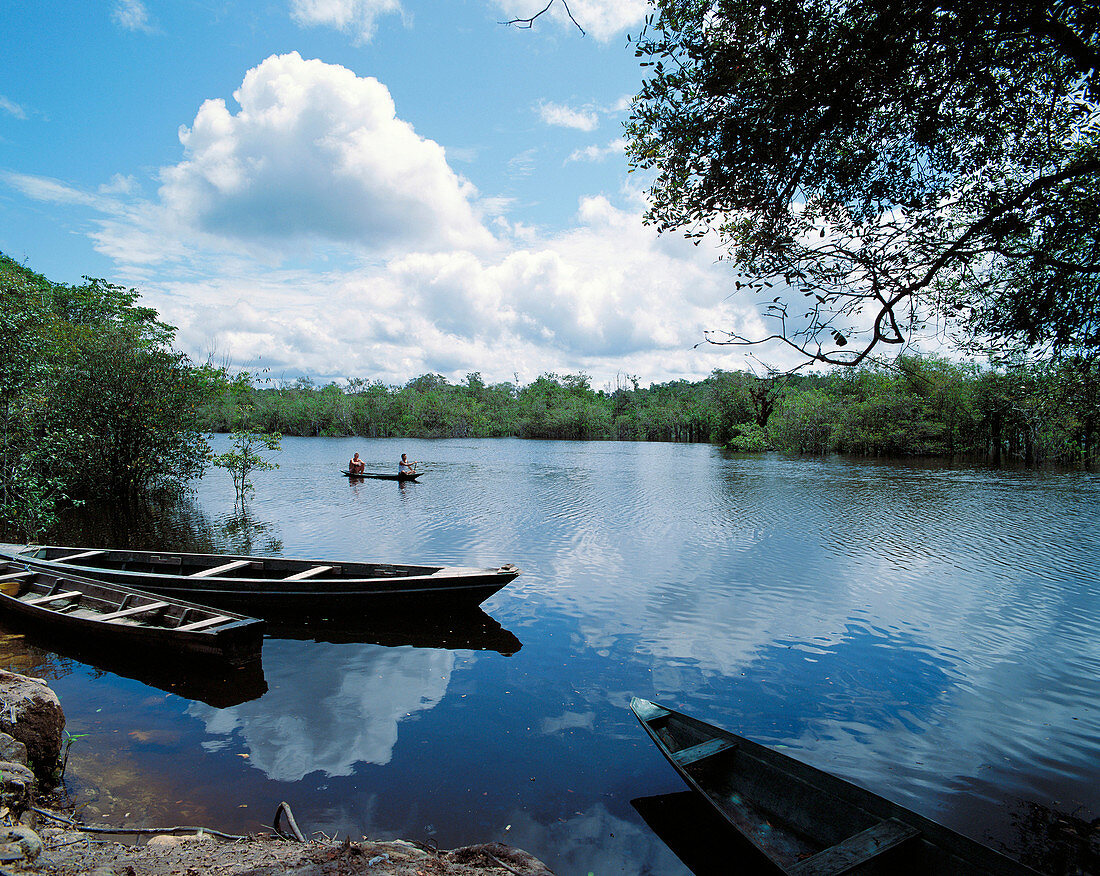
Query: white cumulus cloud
point(357, 17)
point(607, 292)
point(317, 152)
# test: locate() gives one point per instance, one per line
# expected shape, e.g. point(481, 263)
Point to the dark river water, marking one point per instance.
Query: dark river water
point(929, 632)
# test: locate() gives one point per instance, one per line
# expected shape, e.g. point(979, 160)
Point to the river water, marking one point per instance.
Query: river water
point(929, 632)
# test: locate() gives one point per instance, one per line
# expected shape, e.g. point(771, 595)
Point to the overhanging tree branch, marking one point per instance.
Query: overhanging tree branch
point(917, 138)
point(527, 23)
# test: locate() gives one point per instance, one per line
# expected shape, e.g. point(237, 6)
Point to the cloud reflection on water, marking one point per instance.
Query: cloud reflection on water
point(330, 707)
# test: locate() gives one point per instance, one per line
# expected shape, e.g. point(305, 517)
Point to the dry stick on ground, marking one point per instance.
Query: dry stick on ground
point(285, 807)
point(501, 863)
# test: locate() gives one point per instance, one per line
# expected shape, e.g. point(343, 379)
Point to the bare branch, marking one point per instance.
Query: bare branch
point(528, 23)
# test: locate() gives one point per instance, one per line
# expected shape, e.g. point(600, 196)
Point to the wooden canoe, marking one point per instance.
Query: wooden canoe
point(86, 610)
point(277, 586)
point(381, 476)
point(804, 821)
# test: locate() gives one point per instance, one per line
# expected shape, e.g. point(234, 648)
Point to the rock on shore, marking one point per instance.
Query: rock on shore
point(30, 713)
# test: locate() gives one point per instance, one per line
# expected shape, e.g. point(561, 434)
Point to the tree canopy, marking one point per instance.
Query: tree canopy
point(94, 402)
point(877, 166)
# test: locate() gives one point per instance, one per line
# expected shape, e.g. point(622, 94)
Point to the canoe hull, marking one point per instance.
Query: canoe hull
point(98, 613)
point(380, 476)
point(275, 586)
point(805, 821)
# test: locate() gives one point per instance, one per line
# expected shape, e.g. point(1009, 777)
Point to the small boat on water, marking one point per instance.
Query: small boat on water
point(89, 611)
point(807, 822)
point(276, 586)
point(381, 476)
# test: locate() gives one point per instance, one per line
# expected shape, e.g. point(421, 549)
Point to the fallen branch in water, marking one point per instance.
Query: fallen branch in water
point(138, 830)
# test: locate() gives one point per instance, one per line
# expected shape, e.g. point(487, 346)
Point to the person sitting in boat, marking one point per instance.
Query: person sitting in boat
point(356, 466)
point(405, 467)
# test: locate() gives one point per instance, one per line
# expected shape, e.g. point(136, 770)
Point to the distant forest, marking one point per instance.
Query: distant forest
point(919, 406)
point(97, 404)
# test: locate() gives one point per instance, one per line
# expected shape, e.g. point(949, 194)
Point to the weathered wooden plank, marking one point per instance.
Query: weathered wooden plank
point(83, 555)
point(42, 600)
point(309, 573)
point(856, 849)
point(646, 710)
point(137, 609)
point(709, 748)
point(204, 623)
point(218, 570)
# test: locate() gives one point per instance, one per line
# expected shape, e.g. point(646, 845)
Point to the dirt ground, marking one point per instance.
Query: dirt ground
point(68, 853)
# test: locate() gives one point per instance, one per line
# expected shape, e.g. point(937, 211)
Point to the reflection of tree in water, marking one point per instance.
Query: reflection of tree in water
point(170, 520)
point(19, 655)
point(242, 531)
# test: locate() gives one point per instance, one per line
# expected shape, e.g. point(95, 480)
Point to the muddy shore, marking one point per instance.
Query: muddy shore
point(68, 852)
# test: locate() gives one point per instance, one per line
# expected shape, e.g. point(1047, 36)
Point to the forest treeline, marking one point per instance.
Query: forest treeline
point(923, 406)
point(96, 403)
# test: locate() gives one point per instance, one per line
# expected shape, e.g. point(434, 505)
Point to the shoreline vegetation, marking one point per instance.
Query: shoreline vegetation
point(96, 404)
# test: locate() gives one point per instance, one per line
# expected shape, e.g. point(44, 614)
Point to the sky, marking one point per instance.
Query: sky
point(373, 189)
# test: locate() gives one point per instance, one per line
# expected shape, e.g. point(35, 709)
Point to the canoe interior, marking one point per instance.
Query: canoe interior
point(779, 817)
point(87, 608)
point(261, 568)
point(804, 821)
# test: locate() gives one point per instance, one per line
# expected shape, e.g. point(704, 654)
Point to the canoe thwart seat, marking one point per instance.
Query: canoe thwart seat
point(856, 849)
point(204, 623)
point(15, 576)
point(55, 597)
point(83, 555)
point(220, 570)
point(687, 756)
point(311, 573)
point(137, 609)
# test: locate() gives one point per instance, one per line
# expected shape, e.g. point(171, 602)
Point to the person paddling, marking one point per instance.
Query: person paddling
point(405, 467)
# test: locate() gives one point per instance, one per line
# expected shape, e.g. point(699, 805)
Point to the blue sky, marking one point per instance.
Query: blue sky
point(355, 188)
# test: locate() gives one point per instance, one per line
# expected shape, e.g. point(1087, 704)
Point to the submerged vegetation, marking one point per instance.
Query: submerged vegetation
point(96, 404)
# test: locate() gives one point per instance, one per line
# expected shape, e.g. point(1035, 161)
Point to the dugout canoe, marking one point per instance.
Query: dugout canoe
point(807, 822)
point(84, 610)
point(278, 587)
point(382, 476)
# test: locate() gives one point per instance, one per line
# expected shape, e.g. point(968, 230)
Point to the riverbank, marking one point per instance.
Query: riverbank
point(35, 838)
point(75, 853)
